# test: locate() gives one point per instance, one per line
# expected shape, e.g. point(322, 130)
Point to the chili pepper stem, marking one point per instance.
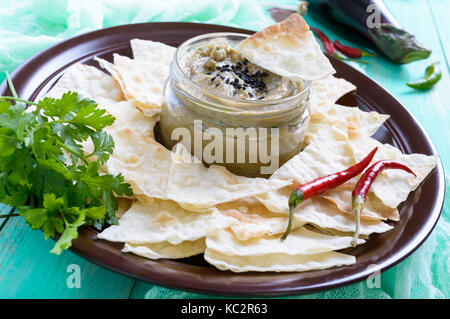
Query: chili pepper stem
point(357, 207)
point(354, 60)
point(359, 193)
point(295, 199)
point(322, 184)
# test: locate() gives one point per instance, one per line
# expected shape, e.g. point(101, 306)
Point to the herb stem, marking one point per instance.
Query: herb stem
point(18, 100)
point(68, 149)
point(11, 86)
point(52, 122)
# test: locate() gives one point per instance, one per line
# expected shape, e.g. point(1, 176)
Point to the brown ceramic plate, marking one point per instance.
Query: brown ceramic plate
point(419, 213)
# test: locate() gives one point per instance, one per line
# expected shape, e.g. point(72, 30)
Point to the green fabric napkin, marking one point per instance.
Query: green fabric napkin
point(27, 27)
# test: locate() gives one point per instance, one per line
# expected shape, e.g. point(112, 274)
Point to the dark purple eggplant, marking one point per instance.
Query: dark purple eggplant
point(389, 37)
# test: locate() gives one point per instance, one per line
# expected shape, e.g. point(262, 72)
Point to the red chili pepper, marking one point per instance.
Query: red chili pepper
point(361, 190)
point(322, 184)
point(327, 44)
point(330, 49)
point(351, 52)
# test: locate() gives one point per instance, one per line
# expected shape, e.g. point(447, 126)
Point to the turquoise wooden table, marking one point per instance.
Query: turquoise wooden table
point(28, 270)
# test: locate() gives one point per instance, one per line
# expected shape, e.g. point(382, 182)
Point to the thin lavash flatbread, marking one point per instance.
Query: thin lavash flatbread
point(163, 221)
point(143, 162)
point(393, 186)
point(278, 262)
point(327, 157)
point(95, 84)
point(155, 172)
point(324, 214)
point(374, 209)
point(253, 219)
point(147, 50)
point(128, 113)
point(300, 241)
point(88, 81)
point(334, 121)
point(124, 205)
point(288, 49)
point(329, 90)
point(166, 250)
point(140, 80)
point(317, 160)
point(196, 187)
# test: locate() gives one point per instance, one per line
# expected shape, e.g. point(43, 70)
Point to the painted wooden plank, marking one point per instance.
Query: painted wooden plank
point(29, 270)
point(441, 12)
point(4, 210)
point(431, 108)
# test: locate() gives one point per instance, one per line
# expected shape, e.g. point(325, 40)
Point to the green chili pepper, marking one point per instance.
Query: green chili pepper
point(432, 75)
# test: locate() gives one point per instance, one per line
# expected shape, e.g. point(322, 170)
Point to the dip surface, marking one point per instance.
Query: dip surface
point(217, 66)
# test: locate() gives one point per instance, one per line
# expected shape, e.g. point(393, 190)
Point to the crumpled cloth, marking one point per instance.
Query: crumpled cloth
point(27, 27)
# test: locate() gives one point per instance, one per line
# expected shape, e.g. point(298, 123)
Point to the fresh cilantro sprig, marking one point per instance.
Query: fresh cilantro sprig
point(45, 172)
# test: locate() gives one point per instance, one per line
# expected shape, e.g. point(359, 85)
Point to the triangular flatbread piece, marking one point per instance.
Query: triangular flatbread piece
point(288, 49)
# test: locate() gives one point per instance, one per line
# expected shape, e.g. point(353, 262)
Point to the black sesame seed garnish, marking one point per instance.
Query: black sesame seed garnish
point(217, 84)
point(261, 97)
point(249, 93)
point(213, 78)
point(208, 73)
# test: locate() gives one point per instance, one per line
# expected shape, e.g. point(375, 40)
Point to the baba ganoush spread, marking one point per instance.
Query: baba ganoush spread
point(219, 67)
point(231, 112)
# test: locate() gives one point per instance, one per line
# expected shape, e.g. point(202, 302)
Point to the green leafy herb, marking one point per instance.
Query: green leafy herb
point(45, 172)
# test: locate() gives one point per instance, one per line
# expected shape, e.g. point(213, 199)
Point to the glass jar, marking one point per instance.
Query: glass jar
point(249, 137)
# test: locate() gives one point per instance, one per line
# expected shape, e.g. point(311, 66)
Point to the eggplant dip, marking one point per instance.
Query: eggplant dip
point(216, 65)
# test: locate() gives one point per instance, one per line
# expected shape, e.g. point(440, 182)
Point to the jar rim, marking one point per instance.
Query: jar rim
point(257, 104)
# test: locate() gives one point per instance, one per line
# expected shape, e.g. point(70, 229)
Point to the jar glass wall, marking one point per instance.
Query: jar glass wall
point(249, 137)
